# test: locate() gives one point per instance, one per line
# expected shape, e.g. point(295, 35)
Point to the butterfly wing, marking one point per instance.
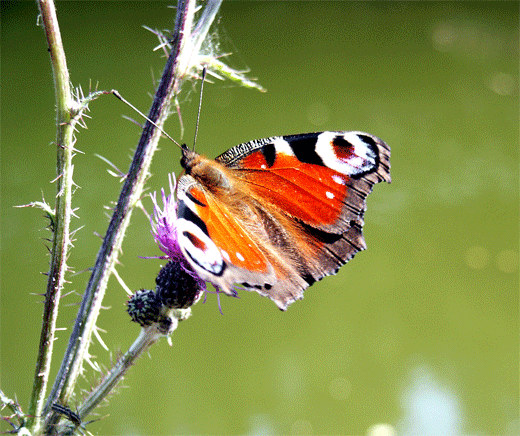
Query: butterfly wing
point(299, 214)
point(228, 248)
point(320, 179)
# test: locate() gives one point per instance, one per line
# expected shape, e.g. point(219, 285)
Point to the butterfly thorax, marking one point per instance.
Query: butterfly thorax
point(209, 173)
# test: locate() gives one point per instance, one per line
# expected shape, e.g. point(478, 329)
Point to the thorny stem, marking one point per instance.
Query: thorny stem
point(147, 337)
point(131, 192)
point(14, 407)
point(63, 209)
point(184, 57)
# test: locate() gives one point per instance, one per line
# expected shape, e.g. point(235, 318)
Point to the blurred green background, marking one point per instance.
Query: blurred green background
point(417, 335)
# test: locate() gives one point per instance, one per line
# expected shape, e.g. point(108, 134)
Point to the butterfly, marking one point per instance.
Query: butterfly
point(275, 215)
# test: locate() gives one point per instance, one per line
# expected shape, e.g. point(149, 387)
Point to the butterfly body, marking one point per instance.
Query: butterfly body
point(277, 214)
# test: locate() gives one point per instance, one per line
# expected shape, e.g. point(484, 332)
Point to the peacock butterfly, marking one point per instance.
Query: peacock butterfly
point(275, 215)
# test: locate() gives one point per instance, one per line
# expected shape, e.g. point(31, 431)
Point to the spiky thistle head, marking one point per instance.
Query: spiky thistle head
point(144, 307)
point(178, 288)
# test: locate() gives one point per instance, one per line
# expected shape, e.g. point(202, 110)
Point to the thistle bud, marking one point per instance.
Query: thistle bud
point(143, 307)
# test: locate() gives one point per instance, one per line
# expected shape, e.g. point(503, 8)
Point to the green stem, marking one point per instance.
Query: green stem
point(145, 340)
point(131, 192)
point(147, 337)
point(63, 210)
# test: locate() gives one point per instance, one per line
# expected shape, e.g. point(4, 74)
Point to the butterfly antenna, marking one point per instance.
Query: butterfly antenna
point(120, 97)
point(200, 106)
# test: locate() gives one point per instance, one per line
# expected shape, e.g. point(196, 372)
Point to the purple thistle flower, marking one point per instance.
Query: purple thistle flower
point(164, 230)
point(164, 223)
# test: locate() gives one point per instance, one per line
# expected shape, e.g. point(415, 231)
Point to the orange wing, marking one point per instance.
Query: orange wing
point(319, 179)
point(230, 249)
